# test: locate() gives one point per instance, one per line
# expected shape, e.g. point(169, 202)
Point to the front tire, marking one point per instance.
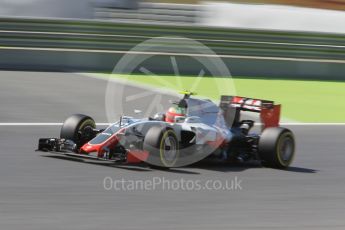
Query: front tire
point(163, 147)
point(277, 147)
point(78, 128)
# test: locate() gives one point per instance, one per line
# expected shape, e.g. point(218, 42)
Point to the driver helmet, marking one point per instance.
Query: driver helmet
point(173, 112)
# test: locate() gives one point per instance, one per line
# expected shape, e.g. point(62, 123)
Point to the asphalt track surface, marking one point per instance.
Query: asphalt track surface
point(42, 191)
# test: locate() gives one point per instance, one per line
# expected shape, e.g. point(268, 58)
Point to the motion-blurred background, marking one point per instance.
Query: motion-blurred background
point(270, 40)
point(271, 14)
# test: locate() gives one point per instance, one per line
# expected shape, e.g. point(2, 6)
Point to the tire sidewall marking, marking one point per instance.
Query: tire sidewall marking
point(278, 150)
point(161, 152)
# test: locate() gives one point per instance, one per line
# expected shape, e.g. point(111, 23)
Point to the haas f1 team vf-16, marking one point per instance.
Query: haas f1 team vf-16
point(191, 130)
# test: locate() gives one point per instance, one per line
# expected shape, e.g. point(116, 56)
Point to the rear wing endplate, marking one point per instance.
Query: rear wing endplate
point(269, 112)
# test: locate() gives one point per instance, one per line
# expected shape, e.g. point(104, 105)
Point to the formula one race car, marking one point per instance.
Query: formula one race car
point(191, 130)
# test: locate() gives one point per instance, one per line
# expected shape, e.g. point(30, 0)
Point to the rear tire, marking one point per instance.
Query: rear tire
point(277, 147)
point(78, 128)
point(163, 147)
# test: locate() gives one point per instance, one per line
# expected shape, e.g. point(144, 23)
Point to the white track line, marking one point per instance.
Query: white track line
point(173, 38)
point(148, 87)
point(104, 124)
point(174, 54)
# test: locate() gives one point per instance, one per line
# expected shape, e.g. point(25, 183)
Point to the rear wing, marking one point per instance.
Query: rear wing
point(233, 105)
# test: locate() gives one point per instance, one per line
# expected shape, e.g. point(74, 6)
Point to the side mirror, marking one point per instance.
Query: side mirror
point(180, 119)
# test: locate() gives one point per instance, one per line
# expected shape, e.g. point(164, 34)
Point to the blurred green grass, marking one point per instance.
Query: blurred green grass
point(304, 101)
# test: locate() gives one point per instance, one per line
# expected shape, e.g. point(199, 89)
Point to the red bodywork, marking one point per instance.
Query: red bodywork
point(270, 116)
point(133, 156)
point(269, 112)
